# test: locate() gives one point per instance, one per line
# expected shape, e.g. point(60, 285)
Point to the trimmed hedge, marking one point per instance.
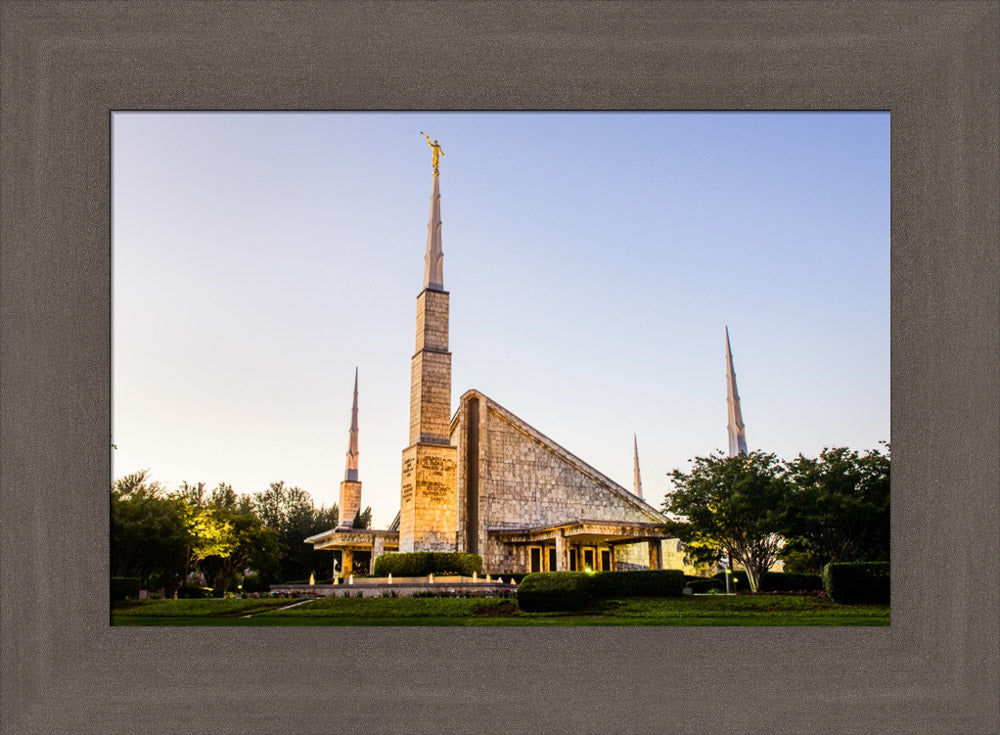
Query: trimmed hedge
point(256, 583)
point(652, 582)
point(569, 591)
point(774, 582)
point(553, 591)
point(790, 582)
point(864, 582)
point(422, 563)
point(124, 588)
point(195, 593)
point(703, 585)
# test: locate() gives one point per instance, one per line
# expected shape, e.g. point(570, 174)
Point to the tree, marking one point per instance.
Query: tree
point(251, 546)
point(291, 513)
point(839, 509)
point(731, 505)
point(363, 518)
point(224, 497)
point(209, 533)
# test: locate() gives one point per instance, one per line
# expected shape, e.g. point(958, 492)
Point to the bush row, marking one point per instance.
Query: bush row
point(422, 563)
point(865, 583)
point(124, 588)
point(790, 582)
point(569, 591)
point(770, 582)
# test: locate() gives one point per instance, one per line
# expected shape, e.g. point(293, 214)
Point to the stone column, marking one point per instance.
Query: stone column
point(378, 548)
point(347, 566)
point(562, 553)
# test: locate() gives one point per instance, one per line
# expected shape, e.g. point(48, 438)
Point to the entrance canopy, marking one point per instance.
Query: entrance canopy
point(608, 533)
point(354, 538)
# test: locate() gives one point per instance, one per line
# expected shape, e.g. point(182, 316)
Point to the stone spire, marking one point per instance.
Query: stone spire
point(638, 479)
point(350, 488)
point(434, 260)
point(351, 473)
point(737, 432)
point(428, 504)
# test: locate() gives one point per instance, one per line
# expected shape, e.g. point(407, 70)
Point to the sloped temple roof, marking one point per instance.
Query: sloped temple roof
point(630, 498)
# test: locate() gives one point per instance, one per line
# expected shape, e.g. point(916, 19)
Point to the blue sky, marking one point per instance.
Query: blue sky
point(593, 261)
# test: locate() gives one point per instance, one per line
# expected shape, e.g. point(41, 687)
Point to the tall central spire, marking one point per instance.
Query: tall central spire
point(434, 260)
point(737, 431)
point(351, 473)
point(638, 479)
point(428, 503)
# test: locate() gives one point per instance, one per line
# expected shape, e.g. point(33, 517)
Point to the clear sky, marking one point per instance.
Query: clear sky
point(593, 261)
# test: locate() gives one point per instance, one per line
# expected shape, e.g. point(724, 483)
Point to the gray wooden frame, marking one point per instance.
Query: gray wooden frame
point(65, 66)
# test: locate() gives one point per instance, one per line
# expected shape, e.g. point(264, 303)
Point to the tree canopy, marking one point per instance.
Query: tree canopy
point(733, 506)
point(754, 508)
point(162, 536)
point(838, 510)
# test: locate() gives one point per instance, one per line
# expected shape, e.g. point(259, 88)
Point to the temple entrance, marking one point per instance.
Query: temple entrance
point(354, 561)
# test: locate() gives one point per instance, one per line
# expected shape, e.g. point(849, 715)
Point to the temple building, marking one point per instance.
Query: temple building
point(483, 480)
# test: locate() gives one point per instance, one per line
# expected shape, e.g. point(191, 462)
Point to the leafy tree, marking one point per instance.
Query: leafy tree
point(363, 518)
point(149, 538)
point(291, 513)
point(224, 497)
point(192, 494)
point(731, 505)
point(839, 509)
point(251, 546)
point(162, 537)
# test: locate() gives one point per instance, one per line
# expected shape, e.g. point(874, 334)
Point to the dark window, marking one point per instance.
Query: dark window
point(552, 559)
point(572, 559)
point(536, 559)
point(605, 560)
point(588, 559)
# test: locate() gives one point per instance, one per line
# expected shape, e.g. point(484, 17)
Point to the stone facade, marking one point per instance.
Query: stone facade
point(430, 371)
point(427, 498)
point(427, 505)
point(350, 501)
point(513, 478)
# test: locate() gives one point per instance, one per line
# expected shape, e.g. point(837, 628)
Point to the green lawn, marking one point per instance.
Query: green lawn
point(696, 610)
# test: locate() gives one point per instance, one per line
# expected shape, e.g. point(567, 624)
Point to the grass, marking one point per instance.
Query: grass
point(195, 608)
point(375, 611)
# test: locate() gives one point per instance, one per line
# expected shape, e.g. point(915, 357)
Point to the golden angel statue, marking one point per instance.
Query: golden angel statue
point(436, 151)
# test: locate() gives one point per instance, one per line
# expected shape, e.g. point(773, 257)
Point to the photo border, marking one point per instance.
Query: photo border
point(65, 66)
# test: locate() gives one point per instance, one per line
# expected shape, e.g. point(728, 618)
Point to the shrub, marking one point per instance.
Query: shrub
point(790, 582)
point(568, 591)
point(516, 577)
point(193, 593)
point(553, 591)
point(703, 585)
point(422, 563)
point(124, 588)
point(737, 580)
point(256, 583)
point(866, 582)
point(652, 582)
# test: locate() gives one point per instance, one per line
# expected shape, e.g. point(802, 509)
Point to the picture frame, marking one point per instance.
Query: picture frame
point(67, 66)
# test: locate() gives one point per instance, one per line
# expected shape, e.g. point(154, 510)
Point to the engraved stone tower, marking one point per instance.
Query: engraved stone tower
point(428, 511)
